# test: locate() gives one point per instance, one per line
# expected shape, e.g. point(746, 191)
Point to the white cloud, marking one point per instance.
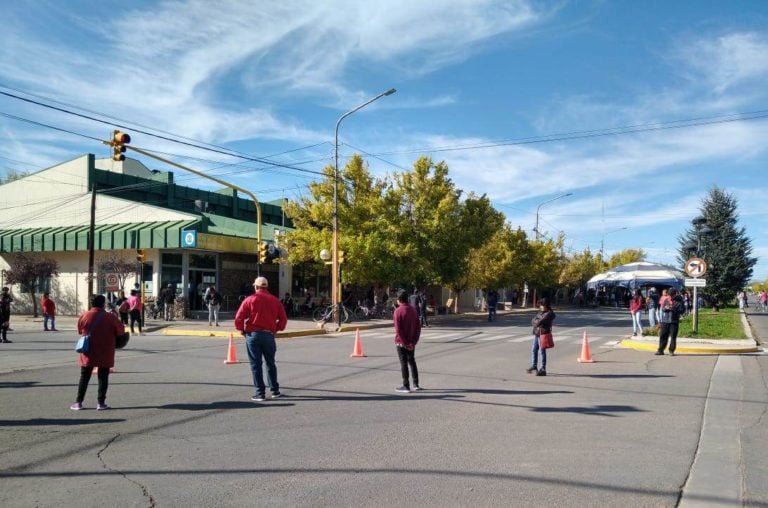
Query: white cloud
point(727, 61)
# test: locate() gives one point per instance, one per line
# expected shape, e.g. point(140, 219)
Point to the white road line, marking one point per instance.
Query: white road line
point(521, 339)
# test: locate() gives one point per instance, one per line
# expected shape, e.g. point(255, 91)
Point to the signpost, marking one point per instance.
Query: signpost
point(695, 267)
point(112, 282)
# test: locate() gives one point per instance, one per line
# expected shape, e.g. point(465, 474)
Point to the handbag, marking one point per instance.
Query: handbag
point(546, 341)
point(122, 340)
point(83, 344)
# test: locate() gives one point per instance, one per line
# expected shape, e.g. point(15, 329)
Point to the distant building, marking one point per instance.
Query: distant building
point(190, 238)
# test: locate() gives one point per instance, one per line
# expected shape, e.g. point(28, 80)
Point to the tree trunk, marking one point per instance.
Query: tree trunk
point(34, 303)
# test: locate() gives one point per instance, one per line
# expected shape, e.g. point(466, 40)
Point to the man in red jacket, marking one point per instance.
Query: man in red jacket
point(49, 312)
point(407, 333)
point(259, 318)
point(103, 328)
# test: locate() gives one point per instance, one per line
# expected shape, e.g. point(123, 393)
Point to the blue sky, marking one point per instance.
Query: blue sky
point(476, 82)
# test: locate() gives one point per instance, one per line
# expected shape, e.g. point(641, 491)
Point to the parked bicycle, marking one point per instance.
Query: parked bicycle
point(330, 314)
point(364, 311)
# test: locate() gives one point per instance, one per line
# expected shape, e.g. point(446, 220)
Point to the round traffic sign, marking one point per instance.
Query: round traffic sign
point(695, 267)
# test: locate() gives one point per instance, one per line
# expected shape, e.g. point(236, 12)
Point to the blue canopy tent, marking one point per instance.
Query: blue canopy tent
point(637, 275)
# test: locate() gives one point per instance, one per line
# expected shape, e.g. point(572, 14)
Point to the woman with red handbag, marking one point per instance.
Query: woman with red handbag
point(542, 337)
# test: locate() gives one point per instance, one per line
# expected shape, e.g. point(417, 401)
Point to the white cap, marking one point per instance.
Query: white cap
point(261, 282)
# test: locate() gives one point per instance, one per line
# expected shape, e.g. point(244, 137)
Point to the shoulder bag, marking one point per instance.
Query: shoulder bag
point(546, 341)
point(83, 344)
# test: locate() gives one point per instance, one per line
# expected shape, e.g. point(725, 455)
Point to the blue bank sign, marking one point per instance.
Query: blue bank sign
point(188, 238)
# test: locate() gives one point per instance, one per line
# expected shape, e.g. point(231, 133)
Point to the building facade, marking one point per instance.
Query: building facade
point(189, 238)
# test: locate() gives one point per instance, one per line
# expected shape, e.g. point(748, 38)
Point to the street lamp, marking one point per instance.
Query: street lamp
point(602, 239)
point(335, 300)
point(536, 229)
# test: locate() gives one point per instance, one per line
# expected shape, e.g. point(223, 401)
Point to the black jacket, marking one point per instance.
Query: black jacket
point(542, 322)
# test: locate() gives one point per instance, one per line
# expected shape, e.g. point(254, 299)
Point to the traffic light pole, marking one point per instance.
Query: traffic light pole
point(91, 244)
point(222, 182)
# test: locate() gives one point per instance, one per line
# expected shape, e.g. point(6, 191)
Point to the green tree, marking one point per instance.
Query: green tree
point(365, 231)
point(579, 268)
point(32, 272)
point(626, 256)
point(726, 248)
point(502, 261)
point(547, 263)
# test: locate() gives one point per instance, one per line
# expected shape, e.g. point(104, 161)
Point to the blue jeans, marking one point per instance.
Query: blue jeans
point(535, 354)
point(47, 317)
point(637, 324)
point(652, 316)
point(262, 344)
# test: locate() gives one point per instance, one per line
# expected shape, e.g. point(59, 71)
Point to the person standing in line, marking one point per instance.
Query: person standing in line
point(652, 301)
point(259, 318)
point(670, 322)
point(287, 302)
point(135, 308)
point(168, 297)
point(49, 312)
point(123, 308)
point(662, 301)
point(407, 333)
point(103, 328)
point(763, 300)
point(492, 300)
point(423, 311)
point(213, 300)
point(5, 314)
point(542, 323)
point(636, 310)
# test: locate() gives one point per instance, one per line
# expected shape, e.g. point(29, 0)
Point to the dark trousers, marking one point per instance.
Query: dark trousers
point(135, 318)
point(668, 331)
point(124, 317)
point(85, 378)
point(408, 358)
point(262, 345)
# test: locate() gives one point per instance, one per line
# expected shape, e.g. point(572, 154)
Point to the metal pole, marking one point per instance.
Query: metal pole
point(695, 309)
point(222, 182)
point(335, 275)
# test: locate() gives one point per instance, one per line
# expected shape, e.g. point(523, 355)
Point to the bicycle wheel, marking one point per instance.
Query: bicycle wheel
point(319, 314)
point(360, 314)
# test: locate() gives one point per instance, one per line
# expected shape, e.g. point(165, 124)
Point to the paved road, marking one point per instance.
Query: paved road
point(628, 430)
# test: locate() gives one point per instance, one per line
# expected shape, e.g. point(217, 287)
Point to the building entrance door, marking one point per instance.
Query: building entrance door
point(199, 281)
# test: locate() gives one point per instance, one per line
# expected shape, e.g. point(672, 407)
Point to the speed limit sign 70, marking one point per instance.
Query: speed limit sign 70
point(695, 267)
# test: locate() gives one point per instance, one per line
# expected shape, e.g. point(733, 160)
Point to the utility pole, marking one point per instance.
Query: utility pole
point(91, 243)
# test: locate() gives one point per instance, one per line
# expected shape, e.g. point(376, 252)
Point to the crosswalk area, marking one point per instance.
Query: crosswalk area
point(518, 335)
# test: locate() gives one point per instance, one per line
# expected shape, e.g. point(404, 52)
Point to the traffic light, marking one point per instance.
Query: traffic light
point(263, 252)
point(119, 140)
point(140, 255)
point(341, 256)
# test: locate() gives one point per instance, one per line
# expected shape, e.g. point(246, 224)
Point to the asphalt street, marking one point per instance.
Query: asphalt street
point(631, 429)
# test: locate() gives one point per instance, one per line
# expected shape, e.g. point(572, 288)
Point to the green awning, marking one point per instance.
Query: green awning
point(134, 235)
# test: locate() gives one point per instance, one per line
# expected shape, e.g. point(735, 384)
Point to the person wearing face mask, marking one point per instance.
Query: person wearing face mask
point(542, 323)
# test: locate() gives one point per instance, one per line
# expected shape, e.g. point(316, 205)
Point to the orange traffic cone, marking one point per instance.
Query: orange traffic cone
point(357, 351)
point(585, 357)
point(231, 352)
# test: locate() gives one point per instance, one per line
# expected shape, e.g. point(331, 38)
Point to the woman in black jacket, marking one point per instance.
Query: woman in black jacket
point(542, 323)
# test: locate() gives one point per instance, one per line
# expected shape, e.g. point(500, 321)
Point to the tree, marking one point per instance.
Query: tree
point(579, 268)
point(31, 272)
point(502, 261)
point(546, 263)
point(12, 175)
point(726, 248)
point(626, 256)
point(118, 265)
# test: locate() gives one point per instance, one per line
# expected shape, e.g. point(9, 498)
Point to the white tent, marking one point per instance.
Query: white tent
point(636, 275)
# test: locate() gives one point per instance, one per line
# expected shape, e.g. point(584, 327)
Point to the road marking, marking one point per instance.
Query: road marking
point(521, 339)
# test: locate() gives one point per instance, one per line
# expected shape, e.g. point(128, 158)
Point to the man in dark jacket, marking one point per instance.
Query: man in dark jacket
point(671, 311)
point(407, 333)
point(103, 329)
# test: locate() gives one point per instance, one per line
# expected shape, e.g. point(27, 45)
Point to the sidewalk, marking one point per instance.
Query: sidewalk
point(755, 328)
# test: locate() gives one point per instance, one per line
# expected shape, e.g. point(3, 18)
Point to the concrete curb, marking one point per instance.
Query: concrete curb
point(723, 348)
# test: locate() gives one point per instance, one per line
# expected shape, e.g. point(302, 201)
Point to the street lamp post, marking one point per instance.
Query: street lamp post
point(335, 279)
point(602, 239)
point(536, 229)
